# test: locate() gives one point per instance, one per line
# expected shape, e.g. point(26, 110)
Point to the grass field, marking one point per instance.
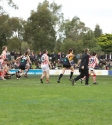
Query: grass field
point(28, 102)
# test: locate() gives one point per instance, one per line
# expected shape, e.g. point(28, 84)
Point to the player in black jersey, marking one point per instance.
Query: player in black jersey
point(23, 61)
point(28, 65)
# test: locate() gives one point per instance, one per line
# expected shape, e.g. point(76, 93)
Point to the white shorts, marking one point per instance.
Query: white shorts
point(45, 67)
point(91, 69)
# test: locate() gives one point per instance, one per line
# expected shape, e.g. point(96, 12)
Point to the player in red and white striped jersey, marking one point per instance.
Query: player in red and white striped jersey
point(45, 66)
point(93, 61)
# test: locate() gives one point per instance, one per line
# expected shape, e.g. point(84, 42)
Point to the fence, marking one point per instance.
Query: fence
point(67, 72)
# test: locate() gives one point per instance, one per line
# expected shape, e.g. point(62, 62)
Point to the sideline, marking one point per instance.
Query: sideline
point(67, 72)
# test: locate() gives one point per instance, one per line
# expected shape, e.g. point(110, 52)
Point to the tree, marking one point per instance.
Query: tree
point(4, 30)
point(97, 31)
point(40, 30)
point(82, 37)
point(3, 21)
point(9, 28)
point(17, 27)
point(10, 3)
point(105, 41)
point(74, 29)
point(89, 39)
point(14, 44)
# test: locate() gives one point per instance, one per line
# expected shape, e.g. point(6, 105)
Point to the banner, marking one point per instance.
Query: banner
point(67, 72)
point(31, 71)
point(110, 72)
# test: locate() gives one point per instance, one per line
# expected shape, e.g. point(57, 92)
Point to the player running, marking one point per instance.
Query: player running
point(23, 62)
point(28, 65)
point(45, 63)
point(93, 61)
point(68, 64)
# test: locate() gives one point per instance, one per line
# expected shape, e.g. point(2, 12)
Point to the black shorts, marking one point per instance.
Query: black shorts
point(66, 66)
point(22, 67)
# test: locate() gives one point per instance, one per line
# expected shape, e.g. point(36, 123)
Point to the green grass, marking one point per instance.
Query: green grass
point(28, 102)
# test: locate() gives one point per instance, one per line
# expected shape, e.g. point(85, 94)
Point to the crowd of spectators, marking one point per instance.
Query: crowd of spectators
point(56, 59)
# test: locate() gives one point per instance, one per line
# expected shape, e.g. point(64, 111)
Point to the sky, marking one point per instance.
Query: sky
point(91, 12)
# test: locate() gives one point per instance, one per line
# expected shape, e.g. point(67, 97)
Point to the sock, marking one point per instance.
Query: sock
point(71, 74)
point(60, 76)
point(26, 71)
point(47, 80)
point(94, 78)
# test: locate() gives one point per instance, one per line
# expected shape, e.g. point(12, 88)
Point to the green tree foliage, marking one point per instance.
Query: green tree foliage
point(17, 27)
point(105, 41)
point(10, 3)
point(4, 30)
point(97, 31)
point(78, 35)
point(14, 44)
point(74, 29)
point(81, 36)
point(24, 46)
point(9, 28)
point(69, 43)
point(89, 39)
point(40, 30)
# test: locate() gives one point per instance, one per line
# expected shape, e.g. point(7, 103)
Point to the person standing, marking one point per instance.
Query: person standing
point(83, 68)
point(45, 63)
point(67, 64)
point(4, 54)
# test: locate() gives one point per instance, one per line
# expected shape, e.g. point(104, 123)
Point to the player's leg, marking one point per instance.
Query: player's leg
point(42, 76)
point(47, 77)
point(1, 74)
point(19, 73)
point(71, 73)
point(61, 75)
point(26, 70)
point(94, 77)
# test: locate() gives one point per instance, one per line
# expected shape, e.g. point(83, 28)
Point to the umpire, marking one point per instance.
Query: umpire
point(83, 68)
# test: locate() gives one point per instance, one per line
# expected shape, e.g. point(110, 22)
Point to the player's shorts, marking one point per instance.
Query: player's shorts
point(66, 66)
point(22, 67)
point(91, 69)
point(72, 63)
point(44, 67)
